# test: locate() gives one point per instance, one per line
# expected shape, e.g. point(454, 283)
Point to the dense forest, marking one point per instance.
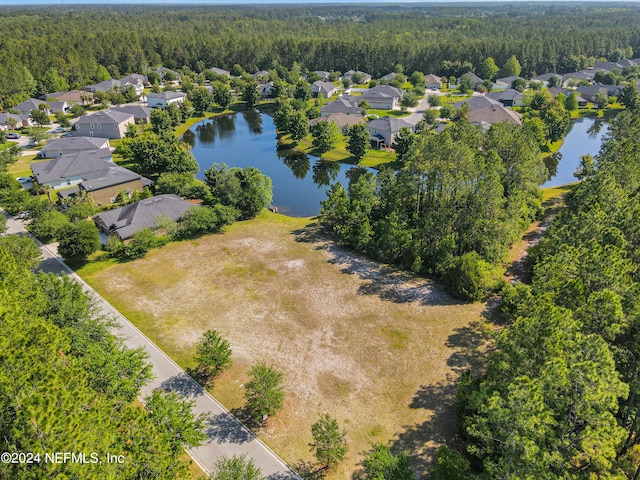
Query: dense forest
point(39, 46)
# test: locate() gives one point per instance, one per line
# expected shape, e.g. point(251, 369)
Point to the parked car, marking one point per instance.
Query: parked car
point(60, 130)
point(23, 179)
point(12, 136)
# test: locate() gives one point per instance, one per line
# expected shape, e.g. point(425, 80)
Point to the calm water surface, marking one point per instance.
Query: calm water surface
point(585, 137)
point(248, 139)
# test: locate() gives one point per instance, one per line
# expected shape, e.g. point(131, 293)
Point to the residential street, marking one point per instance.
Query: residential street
point(227, 436)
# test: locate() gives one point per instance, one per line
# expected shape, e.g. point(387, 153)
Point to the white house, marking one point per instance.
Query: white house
point(323, 89)
point(162, 99)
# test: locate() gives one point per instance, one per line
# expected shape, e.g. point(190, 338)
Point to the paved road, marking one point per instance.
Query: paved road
point(227, 436)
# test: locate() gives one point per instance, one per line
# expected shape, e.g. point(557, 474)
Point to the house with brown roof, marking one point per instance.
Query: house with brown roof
point(103, 185)
point(433, 82)
point(342, 120)
point(494, 114)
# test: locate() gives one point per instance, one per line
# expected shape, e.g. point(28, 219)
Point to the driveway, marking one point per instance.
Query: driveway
point(226, 435)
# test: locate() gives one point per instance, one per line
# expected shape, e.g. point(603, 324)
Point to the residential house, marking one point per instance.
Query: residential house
point(137, 81)
point(506, 82)
point(384, 97)
point(31, 104)
point(69, 169)
point(494, 114)
point(73, 96)
point(21, 119)
point(58, 106)
point(589, 93)
point(140, 114)
point(477, 103)
point(104, 124)
point(434, 82)
point(389, 77)
point(346, 104)
point(265, 89)
point(508, 98)
point(342, 120)
point(323, 89)
point(555, 91)
point(365, 77)
point(477, 81)
point(586, 75)
point(384, 130)
point(126, 221)
point(220, 71)
point(324, 75)
point(260, 76)
point(162, 71)
point(105, 86)
point(102, 186)
point(68, 145)
point(162, 99)
point(545, 77)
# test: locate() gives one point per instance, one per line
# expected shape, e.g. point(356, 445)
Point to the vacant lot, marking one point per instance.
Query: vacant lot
point(376, 348)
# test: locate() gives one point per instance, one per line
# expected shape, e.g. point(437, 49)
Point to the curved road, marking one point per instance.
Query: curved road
point(226, 435)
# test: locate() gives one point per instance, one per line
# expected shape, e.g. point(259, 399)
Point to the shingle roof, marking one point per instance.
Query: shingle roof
point(389, 124)
point(105, 116)
point(28, 105)
point(344, 104)
point(476, 103)
point(494, 114)
point(381, 92)
point(324, 87)
point(138, 111)
point(509, 94)
point(220, 71)
point(168, 95)
point(75, 143)
point(137, 216)
point(71, 165)
point(545, 77)
point(431, 78)
point(340, 119)
point(109, 176)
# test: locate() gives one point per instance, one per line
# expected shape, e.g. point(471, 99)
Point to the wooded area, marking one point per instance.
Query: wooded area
point(47, 50)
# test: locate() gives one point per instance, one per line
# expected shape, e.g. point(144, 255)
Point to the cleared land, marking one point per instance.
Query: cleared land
point(376, 348)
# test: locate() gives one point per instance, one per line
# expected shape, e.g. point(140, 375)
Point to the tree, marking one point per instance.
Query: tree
point(222, 94)
point(201, 99)
point(250, 94)
point(329, 443)
point(434, 100)
point(40, 117)
point(409, 99)
point(358, 141)
point(418, 80)
point(629, 96)
point(48, 225)
point(466, 84)
point(264, 392)
point(519, 84)
point(79, 240)
point(160, 121)
point(298, 125)
point(571, 102)
point(302, 90)
point(200, 220)
point(554, 81)
point(450, 465)
point(488, 69)
point(213, 355)
point(403, 142)
point(511, 68)
point(601, 100)
point(25, 251)
point(173, 416)
point(236, 468)
point(325, 135)
point(382, 464)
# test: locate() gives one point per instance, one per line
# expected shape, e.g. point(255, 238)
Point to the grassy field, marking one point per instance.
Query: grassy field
point(378, 349)
point(21, 167)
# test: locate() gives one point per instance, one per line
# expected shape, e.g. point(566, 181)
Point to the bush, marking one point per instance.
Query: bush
point(450, 465)
point(200, 220)
point(469, 277)
point(78, 240)
point(48, 226)
point(141, 242)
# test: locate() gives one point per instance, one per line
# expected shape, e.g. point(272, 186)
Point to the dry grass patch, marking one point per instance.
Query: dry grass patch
point(377, 348)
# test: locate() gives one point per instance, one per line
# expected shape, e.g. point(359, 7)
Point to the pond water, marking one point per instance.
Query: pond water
point(248, 139)
point(585, 137)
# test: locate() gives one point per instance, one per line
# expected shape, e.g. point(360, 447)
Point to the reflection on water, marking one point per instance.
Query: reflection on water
point(249, 140)
point(585, 137)
point(551, 162)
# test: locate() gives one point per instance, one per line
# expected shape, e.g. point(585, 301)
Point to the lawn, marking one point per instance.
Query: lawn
point(376, 348)
point(21, 167)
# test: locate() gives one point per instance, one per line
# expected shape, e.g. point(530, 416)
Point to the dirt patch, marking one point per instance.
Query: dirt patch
point(376, 347)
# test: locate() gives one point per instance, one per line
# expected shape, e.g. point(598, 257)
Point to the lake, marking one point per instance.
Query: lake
point(585, 137)
point(248, 139)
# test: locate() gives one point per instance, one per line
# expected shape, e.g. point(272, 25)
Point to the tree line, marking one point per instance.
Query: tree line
point(54, 49)
point(561, 395)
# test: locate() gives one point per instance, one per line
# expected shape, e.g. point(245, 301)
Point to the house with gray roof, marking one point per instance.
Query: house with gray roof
point(365, 77)
point(476, 103)
point(383, 130)
point(265, 89)
point(67, 145)
point(103, 86)
point(163, 71)
point(477, 81)
point(384, 97)
point(545, 77)
point(30, 104)
point(323, 74)
point(59, 107)
point(323, 89)
point(68, 170)
point(104, 124)
point(221, 71)
point(507, 81)
point(140, 114)
point(103, 185)
point(162, 99)
point(21, 119)
point(508, 98)
point(126, 221)
point(586, 75)
point(342, 120)
point(347, 104)
point(260, 75)
point(589, 93)
point(389, 77)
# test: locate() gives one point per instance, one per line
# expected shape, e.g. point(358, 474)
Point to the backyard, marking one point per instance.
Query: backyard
point(376, 348)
